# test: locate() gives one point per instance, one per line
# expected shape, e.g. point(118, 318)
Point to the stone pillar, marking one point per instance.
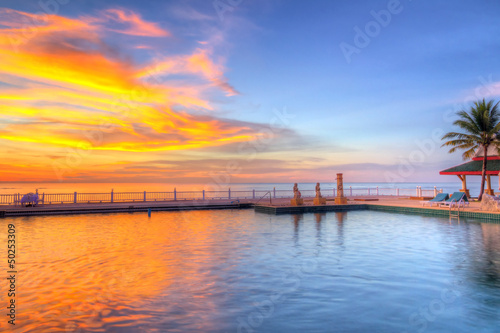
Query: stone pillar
point(340, 199)
point(464, 185)
point(488, 186)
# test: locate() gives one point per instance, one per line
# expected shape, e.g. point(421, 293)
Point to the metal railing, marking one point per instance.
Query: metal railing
point(265, 194)
point(111, 197)
point(8, 199)
point(457, 204)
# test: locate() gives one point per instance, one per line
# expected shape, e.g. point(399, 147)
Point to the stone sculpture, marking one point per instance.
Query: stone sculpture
point(297, 197)
point(319, 200)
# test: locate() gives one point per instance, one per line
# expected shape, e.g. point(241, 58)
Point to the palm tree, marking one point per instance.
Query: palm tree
point(481, 125)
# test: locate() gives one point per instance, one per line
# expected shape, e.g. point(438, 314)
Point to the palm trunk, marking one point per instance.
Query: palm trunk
point(483, 174)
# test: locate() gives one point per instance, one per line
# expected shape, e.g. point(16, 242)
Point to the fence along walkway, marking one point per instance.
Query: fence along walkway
point(110, 197)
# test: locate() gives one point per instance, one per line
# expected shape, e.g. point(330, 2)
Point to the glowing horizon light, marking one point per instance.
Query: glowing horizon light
point(63, 85)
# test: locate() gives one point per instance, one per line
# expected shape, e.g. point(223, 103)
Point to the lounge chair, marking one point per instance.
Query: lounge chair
point(440, 197)
point(456, 199)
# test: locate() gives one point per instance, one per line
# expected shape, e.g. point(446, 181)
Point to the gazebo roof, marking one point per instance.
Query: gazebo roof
point(474, 168)
point(492, 154)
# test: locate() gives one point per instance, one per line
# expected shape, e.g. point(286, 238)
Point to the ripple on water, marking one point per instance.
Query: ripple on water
point(220, 271)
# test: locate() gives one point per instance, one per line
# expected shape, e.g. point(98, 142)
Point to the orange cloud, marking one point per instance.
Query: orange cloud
point(16, 21)
point(21, 27)
point(66, 88)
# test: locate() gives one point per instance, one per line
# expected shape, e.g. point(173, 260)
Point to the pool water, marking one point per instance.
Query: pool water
point(241, 271)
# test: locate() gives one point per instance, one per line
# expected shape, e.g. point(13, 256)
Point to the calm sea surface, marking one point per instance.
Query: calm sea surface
point(241, 271)
point(63, 187)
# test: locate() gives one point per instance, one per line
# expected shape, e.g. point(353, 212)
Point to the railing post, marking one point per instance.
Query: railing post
point(74, 198)
point(274, 192)
point(203, 194)
point(397, 192)
point(144, 196)
point(175, 194)
point(253, 193)
point(229, 193)
point(368, 191)
point(350, 191)
point(435, 191)
point(112, 195)
point(377, 190)
point(417, 192)
point(334, 191)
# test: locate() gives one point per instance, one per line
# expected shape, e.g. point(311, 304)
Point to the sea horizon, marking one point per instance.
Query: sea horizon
point(92, 187)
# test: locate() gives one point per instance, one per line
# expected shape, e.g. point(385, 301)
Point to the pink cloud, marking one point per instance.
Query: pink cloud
point(487, 89)
point(200, 62)
point(490, 90)
point(127, 22)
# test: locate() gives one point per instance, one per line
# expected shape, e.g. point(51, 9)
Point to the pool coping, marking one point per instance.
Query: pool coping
point(278, 210)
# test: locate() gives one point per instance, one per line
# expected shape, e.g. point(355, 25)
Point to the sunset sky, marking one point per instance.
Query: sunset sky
point(240, 90)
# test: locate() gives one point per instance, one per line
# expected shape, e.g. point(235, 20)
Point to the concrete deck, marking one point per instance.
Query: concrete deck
point(384, 203)
point(275, 206)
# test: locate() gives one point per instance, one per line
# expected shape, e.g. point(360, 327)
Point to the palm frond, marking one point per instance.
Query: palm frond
point(459, 142)
point(462, 136)
point(472, 125)
point(469, 153)
point(467, 145)
point(480, 125)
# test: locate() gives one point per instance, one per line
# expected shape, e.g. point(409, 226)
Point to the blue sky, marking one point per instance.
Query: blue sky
point(363, 114)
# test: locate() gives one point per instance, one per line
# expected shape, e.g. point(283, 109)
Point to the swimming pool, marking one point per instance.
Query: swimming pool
point(241, 271)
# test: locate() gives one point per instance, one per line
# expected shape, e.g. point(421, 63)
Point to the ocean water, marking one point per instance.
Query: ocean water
point(241, 271)
point(63, 187)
